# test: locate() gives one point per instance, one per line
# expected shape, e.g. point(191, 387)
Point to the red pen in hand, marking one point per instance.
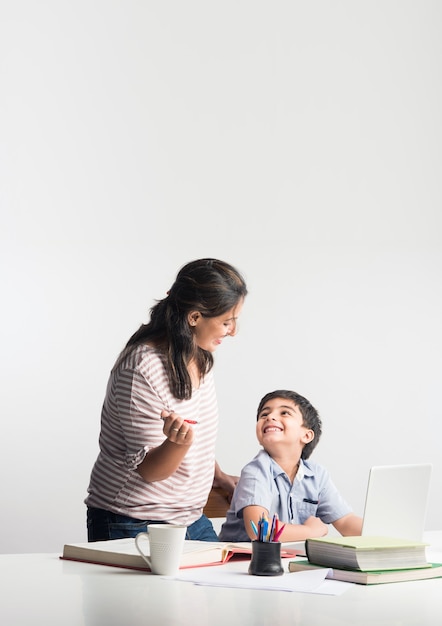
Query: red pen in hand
point(187, 421)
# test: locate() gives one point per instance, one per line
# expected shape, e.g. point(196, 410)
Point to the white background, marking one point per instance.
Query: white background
point(300, 141)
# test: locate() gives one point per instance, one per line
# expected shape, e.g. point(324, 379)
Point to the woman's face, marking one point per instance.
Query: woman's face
point(209, 332)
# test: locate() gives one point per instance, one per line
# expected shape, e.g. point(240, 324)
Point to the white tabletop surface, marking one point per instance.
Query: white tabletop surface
point(42, 589)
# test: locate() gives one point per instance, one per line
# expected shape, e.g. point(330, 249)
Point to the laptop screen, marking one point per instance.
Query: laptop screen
point(396, 501)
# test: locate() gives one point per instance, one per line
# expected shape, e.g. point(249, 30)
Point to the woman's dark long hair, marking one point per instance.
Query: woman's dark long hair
point(209, 286)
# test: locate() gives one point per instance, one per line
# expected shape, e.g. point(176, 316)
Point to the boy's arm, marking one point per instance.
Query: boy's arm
point(350, 525)
point(253, 514)
point(312, 527)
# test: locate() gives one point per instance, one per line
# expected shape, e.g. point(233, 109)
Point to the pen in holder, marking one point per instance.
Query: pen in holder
point(266, 558)
point(266, 549)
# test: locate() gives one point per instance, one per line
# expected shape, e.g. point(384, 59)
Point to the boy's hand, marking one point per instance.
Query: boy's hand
point(316, 527)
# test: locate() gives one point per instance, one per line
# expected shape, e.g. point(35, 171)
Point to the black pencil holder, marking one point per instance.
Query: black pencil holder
point(266, 559)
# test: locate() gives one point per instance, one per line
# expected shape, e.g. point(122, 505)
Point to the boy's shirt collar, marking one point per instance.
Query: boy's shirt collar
point(303, 469)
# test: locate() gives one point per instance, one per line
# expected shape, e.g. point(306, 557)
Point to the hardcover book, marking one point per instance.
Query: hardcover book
point(366, 553)
point(434, 570)
point(123, 553)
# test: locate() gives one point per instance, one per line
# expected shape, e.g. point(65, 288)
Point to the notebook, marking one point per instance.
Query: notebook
point(396, 501)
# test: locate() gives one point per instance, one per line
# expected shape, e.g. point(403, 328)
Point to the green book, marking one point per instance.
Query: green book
point(434, 570)
point(366, 553)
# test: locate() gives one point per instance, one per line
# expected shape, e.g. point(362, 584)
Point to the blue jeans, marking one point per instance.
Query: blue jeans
point(104, 525)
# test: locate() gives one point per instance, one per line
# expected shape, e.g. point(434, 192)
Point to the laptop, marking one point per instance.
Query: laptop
point(396, 501)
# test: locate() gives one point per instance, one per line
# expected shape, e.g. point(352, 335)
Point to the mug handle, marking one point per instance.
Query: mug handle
point(146, 558)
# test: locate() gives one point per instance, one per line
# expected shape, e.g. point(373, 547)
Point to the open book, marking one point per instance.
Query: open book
point(123, 553)
point(434, 570)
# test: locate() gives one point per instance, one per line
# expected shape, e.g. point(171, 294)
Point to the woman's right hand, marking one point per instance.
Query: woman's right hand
point(161, 462)
point(176, 429)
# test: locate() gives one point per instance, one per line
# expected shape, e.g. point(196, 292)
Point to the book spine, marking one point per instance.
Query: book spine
point(306, 545)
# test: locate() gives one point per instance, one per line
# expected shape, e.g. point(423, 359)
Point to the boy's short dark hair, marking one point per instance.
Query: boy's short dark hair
point(310, 416)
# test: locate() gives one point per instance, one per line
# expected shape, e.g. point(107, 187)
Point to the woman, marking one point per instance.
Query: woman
point(159, 417)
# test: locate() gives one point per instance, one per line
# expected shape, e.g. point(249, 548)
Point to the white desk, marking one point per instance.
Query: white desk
point(42, 589)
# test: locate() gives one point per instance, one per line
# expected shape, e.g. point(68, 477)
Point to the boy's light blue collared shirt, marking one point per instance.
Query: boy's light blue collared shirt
point(264, 483)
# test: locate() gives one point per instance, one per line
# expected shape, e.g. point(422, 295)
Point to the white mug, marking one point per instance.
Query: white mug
point(166, 547)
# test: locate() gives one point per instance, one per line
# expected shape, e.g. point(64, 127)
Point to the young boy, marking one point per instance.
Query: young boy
point(281, 480)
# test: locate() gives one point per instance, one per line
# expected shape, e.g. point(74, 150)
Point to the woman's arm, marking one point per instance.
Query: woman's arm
point(224, 481)
point(162, 461)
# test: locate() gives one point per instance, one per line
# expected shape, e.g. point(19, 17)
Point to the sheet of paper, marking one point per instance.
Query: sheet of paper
point(307, 582)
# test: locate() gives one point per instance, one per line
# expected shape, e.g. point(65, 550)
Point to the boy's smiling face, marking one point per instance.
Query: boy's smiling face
point(280, 423)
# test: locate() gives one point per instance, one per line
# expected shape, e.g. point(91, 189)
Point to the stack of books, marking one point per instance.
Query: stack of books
point(368, 560)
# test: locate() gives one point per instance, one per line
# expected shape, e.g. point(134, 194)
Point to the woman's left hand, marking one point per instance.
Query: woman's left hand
point(225, 481)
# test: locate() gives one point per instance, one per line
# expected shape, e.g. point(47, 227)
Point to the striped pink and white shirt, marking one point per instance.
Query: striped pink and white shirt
point(138, 390)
